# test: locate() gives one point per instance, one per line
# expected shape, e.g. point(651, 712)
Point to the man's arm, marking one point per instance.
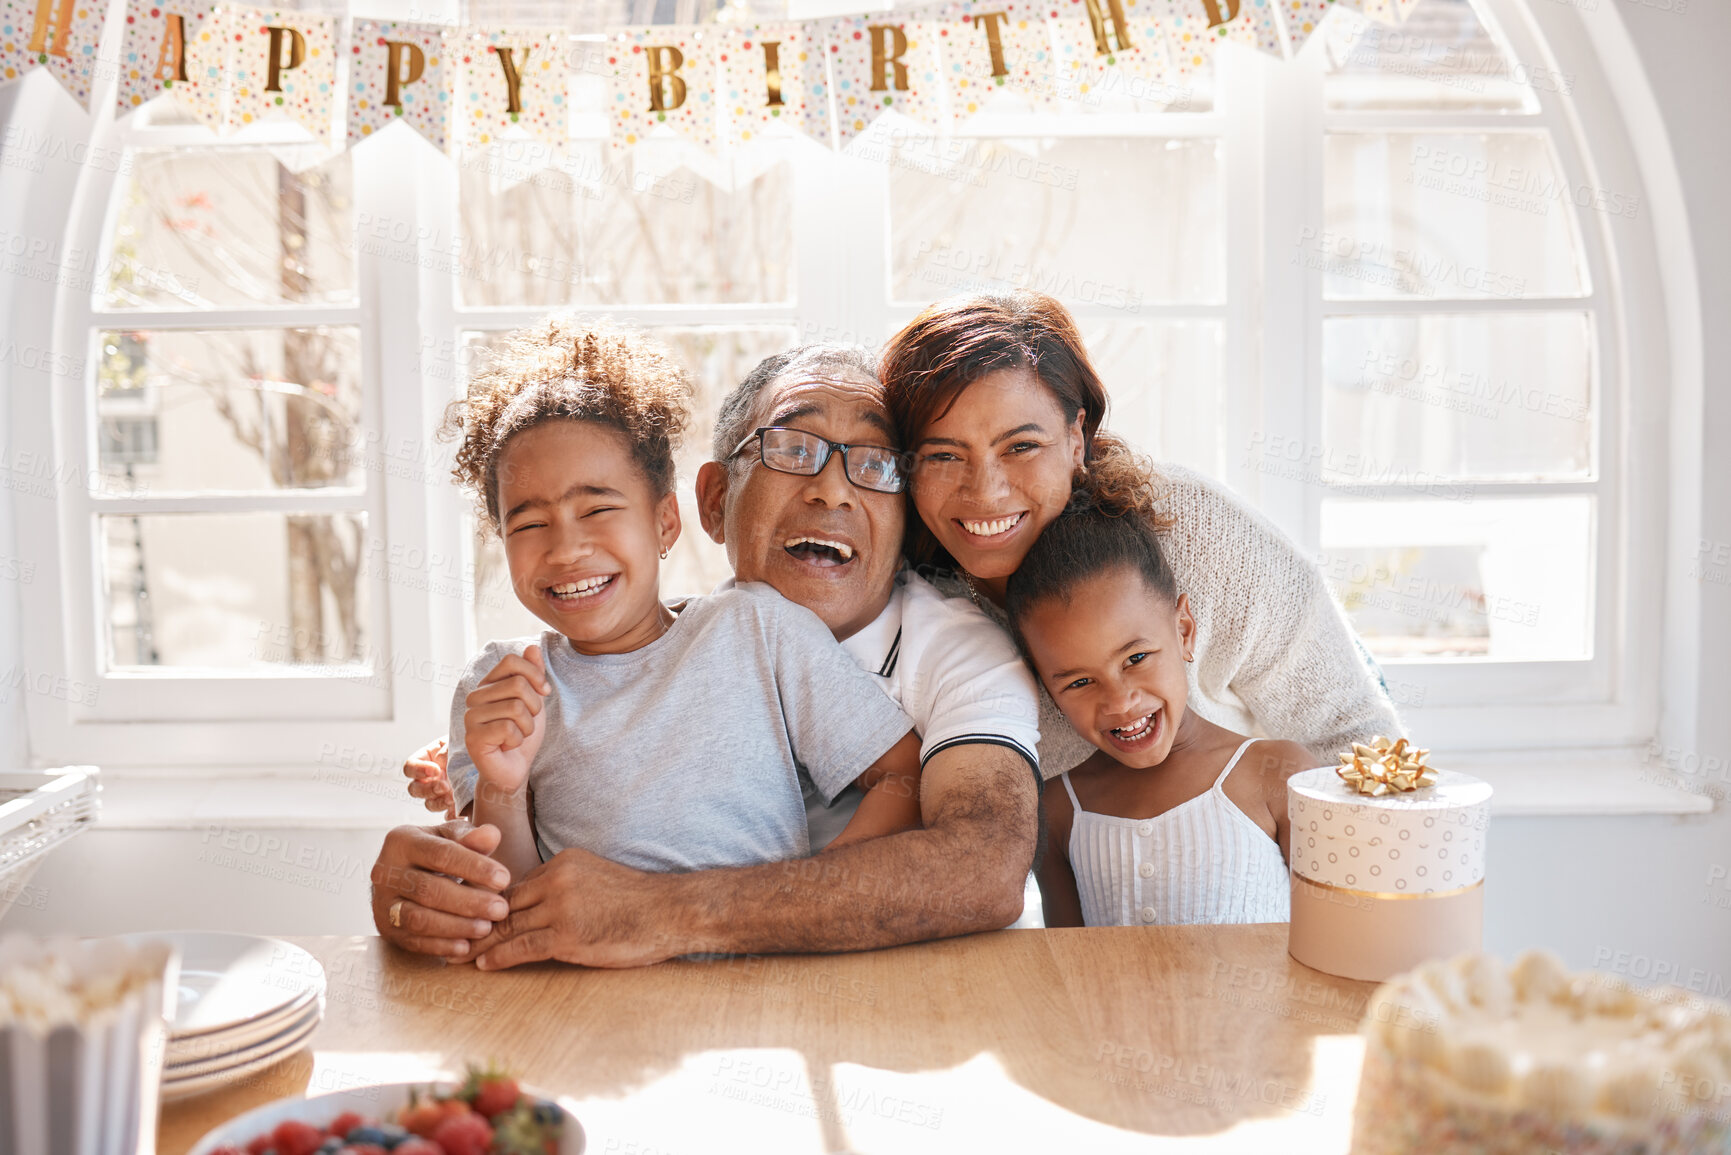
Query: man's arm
point(964, 872)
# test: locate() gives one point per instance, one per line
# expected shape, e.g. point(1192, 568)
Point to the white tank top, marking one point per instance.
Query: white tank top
point(1203, 861)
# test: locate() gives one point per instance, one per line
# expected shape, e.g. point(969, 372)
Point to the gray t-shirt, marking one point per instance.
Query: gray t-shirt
point(688, 753)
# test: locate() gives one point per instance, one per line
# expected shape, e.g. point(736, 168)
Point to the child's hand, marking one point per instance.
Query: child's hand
point(506, 719)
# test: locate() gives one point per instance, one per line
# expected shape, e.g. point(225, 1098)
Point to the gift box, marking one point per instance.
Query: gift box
point(1384, 881)
point(83, 1030)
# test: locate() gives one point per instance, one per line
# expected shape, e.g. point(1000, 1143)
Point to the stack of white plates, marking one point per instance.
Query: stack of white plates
point(245, 1003)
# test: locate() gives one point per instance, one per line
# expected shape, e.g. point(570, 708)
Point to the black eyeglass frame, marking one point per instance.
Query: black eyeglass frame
point(830, 448)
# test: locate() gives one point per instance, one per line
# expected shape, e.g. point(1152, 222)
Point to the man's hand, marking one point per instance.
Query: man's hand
point(429, 778)
point(438, 915)
point(963, 873)
point(579, 908)
point(506, 719)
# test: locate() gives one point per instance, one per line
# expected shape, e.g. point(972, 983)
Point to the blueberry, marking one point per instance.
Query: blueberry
point(370, 1134)
point(547, 1112)
point(393, 1135)
point(330, 1146)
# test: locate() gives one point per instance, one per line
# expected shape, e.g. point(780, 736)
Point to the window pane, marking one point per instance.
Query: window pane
point(595, 228)
point(1106, 223)
point(223, 227)
point(1164, 381)
point(1411, 400)
point(1505, 579)
point(231, 409)
point(718, 359)
point(1441, 57)
point(235, 591)
point(1455, 215)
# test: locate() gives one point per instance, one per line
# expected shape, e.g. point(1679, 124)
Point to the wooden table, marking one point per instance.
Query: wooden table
point(1097, 1040)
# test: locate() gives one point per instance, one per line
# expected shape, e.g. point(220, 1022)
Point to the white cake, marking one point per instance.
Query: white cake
point(1468, 1057)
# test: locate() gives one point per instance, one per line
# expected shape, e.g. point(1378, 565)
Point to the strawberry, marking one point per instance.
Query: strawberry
point(495, 1096)
point(464, 1135)
point(417, 1146)
point(362, 1149)
point(259, 1145)
point(293, 1137)
point(420, 1118)
point(344, 1123)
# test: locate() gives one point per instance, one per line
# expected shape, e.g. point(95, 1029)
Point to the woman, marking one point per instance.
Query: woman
point(994, 396)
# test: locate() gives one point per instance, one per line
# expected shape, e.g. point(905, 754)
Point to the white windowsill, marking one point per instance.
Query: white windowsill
point(1548, 784)
point(1573, 783)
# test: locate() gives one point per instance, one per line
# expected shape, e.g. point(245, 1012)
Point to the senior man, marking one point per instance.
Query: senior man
point(831, 541)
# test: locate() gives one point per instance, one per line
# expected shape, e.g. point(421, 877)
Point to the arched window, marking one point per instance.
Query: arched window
point(1377, 289)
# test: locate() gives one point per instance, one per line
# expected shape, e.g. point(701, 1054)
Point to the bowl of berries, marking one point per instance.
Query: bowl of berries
point(487, 1113)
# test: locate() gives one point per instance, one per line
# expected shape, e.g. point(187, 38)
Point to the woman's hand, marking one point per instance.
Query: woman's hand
point(505, 720)
point(429, 777)
point(420, 900)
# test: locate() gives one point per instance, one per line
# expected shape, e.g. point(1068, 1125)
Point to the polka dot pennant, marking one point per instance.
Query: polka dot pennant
point(485, 62)
point(664, 75)
point(743, 57)
point(1143, 70)
point(68, 53)
point(852, 47)
point(420, 97)
point(156, 49)
point(1189, 40)
point(1301, 19)
point(1025, 55)
point(306, 93)
point(1253, 25)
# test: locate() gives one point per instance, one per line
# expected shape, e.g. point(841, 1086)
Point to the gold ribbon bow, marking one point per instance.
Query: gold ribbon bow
point(1385, 767)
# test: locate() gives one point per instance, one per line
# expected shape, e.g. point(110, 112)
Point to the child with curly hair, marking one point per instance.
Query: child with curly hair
point(664, 741)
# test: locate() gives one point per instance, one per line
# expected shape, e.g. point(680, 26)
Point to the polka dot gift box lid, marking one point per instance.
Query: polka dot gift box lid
point(1424, 841)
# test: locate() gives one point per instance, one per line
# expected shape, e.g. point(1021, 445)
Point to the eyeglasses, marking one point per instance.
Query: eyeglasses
point(875, 467)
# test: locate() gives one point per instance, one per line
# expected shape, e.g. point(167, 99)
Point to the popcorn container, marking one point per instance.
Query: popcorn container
point(83, 1032)
point(1381, 883)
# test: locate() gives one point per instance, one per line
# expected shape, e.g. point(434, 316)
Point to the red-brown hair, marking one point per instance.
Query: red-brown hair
point(956, 341)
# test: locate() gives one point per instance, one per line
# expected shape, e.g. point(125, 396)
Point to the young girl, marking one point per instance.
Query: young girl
point(661, 741)
point(1174, 819)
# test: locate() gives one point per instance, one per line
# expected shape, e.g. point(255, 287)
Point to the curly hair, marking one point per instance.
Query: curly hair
point(567, 368)
point(956, 341)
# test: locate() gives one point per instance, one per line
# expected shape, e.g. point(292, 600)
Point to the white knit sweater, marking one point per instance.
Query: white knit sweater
point(1275, 657)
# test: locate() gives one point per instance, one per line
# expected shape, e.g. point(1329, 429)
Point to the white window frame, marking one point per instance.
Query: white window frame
point(1268, 114)
point(190, 716)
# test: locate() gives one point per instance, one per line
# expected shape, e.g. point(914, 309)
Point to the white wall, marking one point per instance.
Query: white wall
point(1623, 892)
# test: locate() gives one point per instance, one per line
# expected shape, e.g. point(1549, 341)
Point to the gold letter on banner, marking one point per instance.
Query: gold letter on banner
point(882, 60)
point(990, 22)
point(397, 52)
point(171, 62)
point(1119, 26)
point(513, 79)
point(1215, 16)
point(665, 68)
point(62, 21)
point(297, 53)
point(772, 71)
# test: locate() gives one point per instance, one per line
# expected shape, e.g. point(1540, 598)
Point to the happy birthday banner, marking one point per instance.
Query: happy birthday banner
point(714, 85)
